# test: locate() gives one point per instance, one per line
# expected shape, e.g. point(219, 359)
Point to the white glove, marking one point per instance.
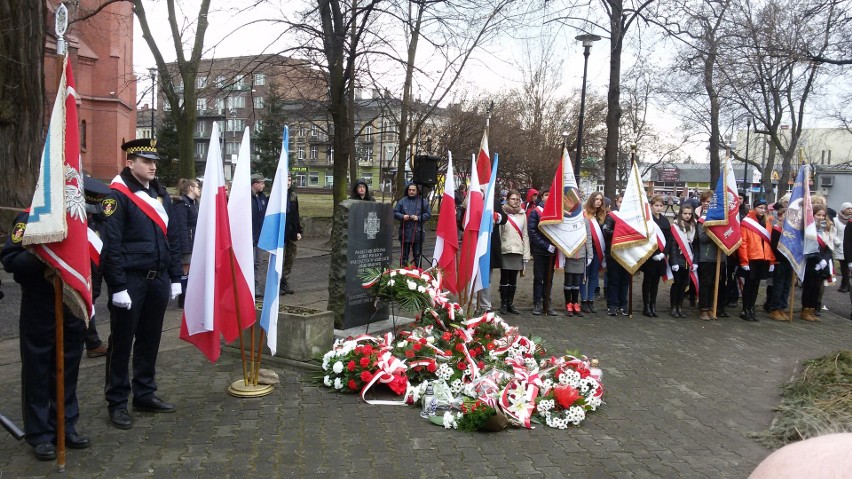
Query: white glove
point(675, 268)
point(551, 249)
point(658, 257)
point(121, 299)
point(588, 261)
point(176, 290)
point(745, 268)
point(771, 268)
point(822, 264)
point(603, 264)
point(850, 265)
point(694, 267)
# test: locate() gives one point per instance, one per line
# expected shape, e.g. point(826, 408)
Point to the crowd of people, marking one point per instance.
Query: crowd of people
point(687, 261)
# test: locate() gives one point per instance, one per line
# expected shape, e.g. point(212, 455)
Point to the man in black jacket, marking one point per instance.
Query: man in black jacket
point(259, 202)
point(292, 233)
point(142, 269)
point(543, 253)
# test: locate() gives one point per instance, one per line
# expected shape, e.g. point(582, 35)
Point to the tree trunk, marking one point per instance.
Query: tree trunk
point(713, 96)
point(613, 114)
point(22, 36)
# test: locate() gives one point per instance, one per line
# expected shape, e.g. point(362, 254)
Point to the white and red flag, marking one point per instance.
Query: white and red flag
point(468, 264)
point(447, 237)
point(216, 284)
point(57, 230)
point(562, 219)
point(634, 238)
point(722, 222)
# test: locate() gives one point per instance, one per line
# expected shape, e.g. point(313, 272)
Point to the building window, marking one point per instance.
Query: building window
point(238, 83)
point(83, 134)
point(179, 87)
point(258, 102)
point(301, 154)
point(314, 131)
point(220, 81)
point(235, 124)
point(201, 104)
point(331, 155)
point(238, 102)
point(201, 128)
point(329, 180)
point(389, 154)
point(258, 125)
point(368, 153)
point(314, 152)
point(302, 131)
point(259, 78)
point(201, 150)
point(368, 134)
point(313, 178)
point(201, 82)
point(368, 178)
point(300, 180)
point(220, 105)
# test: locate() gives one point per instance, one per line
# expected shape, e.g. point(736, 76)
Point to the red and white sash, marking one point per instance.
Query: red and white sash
point(823, 245)
point(756, 227)
point(95, 246)
point(686, 248)
point(515, 226)
point(661, 244)
point(597, 238)
point(152, 208)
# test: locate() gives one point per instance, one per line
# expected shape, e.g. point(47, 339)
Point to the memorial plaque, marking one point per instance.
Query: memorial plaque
point(369, 246)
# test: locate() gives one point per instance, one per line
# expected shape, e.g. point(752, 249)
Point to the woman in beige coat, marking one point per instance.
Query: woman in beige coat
point(515, 250)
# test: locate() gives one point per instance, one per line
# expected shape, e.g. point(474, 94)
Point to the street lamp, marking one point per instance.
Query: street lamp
point(745, 162)
point(587, 40)
point(153, 72)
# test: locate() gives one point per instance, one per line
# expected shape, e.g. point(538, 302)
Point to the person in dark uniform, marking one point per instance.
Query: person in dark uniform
point(654, 268)
point(95, 193)
point(292, 234)
point(38, 351)
point(142, 269)
point(259, 202)
point(186, 216)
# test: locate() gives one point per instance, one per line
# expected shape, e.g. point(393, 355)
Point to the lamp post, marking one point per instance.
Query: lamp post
point(153, 72)
point(745, 162)
point(587, 40)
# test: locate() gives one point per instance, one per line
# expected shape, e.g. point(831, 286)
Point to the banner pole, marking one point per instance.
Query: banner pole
point(792, 296)
point(716, 283)
point(59, 316)
point(239, 319)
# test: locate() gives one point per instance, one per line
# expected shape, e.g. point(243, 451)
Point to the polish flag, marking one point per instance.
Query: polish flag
point(447, 238)
point(472, 219)
point(217, 291)
point(483, 160)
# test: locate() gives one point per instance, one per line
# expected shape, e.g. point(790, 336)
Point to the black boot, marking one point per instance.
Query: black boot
point(504, 300)
point(646, 310)
point(592, 306)
point(548, 307)
point(510, 304)
point(537, 308)
point(585, 306)
point(653, 308)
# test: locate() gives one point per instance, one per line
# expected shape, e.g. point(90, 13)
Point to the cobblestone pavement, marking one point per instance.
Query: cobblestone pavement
point(682, 396)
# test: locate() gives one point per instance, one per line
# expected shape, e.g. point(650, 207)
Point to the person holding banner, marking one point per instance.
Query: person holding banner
point(782, 276)
point(595, 212)
point(515, 248)
point(575, 271)
point(681, 258)
point(655, 269)
point(142, 268)
point(755, 254)
point(543, 252)
point(818, 267)
point(706, 256)
point(617, 278)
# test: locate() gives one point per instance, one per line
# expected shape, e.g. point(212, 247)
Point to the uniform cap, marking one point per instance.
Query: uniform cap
point(143, 147)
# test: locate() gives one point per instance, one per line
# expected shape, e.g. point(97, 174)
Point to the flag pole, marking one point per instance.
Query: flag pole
point(256, 372)
point(61, 25)
point(792, 295)
point(239, 318)
point(716, 283)
point(60, 371)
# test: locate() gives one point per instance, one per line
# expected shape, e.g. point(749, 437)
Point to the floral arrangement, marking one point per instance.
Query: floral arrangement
point(479, 368)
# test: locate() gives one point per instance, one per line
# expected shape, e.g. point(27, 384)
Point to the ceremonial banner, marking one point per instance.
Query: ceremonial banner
point(472, 219)
point(634, 238)
point(57, 229)
point(482, 278)
point(722, 222)
point(562, 219)
point(798, 235)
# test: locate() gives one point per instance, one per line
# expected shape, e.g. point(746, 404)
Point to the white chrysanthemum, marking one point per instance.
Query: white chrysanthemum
point(327, 381)
point(338, 383)
point(545, 405)
point(430, 339)
point(337, 368)
point(469, 390)
point(456, 386)
point(593, 403)
point(421, 289)
point(547, 383)
point(411, 285)
point(391, 282)
point(578, 412)
point(401, 344)
point(392, 274)
point(450, 420)
point(444, 371)
point(530, 363)
point(584, 387)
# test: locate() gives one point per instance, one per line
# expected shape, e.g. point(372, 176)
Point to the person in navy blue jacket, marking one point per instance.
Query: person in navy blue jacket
point(259, 202)
point(543, 252)
point(412, 211)
point(141, 265)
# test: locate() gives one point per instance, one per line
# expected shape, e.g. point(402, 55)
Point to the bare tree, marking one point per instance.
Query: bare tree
point(22, 39)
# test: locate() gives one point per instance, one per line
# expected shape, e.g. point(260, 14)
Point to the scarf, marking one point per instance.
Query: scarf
point(843, 218)
point(509, 210)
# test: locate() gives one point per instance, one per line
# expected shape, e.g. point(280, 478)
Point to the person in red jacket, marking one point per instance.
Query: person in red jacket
point(756, 257)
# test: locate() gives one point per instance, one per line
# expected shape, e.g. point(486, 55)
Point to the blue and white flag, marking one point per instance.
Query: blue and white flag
point(272, 240)
point(486, 228)
point(798, 235)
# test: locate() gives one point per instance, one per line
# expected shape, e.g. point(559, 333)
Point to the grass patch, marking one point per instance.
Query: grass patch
point(817, 402)
point(317, 205)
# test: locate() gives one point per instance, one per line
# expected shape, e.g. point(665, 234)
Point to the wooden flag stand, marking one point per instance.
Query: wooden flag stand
point(247, 387)
point(59, 315)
